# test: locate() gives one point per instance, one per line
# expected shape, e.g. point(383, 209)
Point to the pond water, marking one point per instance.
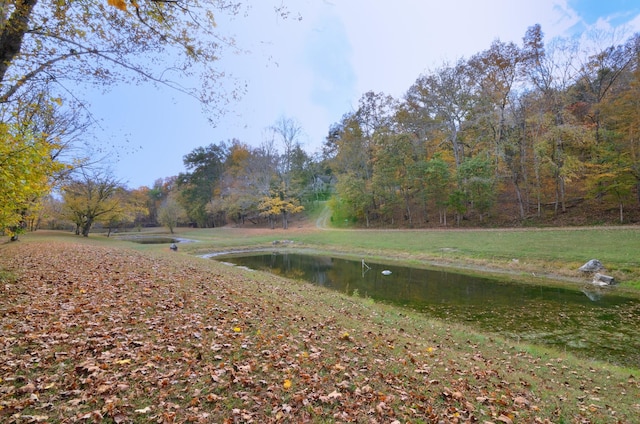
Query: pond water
point(150, 239)
point(589, 321)
point(153, 240)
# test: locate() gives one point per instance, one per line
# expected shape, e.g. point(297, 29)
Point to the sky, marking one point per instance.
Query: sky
point(315, 69)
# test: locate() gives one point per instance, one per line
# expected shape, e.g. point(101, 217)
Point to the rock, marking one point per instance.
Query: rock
point(593, 265)
point(603, 280)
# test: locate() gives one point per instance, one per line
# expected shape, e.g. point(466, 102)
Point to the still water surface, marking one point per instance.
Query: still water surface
point(591, 322)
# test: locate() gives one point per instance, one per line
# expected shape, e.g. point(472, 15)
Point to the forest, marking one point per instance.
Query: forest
point(516, 135)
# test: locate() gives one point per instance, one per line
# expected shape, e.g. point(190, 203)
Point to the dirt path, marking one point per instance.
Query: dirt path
point(322, 222)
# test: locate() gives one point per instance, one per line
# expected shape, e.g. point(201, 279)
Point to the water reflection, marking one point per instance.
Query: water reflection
point(589, 321)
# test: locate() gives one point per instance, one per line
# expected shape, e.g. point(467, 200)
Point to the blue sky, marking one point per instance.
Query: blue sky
point(314, 70)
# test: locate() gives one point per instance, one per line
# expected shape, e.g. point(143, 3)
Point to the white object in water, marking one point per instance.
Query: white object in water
point(386, 272)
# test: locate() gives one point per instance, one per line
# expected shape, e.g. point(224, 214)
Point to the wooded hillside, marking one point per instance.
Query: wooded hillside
point(514, 134)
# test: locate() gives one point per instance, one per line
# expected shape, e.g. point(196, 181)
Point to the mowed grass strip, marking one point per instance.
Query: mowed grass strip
point(94, 331)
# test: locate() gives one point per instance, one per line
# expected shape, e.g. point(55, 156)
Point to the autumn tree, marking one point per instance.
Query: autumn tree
point(160, 190)
point(446, 96)
point(201, 183)
point(129, 208)
point(551, 71)
point(351, 145)
point(495, 72)
point(26, 165)
point(50, 214)
point(171, 212)
point(90, 197)
point(251, 180)
point(477, 180)
point(279, 205)
point(437, 178)
point(394, 176)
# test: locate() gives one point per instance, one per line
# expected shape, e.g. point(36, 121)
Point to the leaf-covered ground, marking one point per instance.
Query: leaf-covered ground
point(93, 333)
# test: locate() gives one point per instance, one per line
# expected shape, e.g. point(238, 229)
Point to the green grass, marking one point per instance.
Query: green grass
point(6, 276)
point(559, 251)
point(539, 251)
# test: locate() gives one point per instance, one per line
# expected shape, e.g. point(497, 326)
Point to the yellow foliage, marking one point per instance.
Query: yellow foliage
point(118, 4)
point(25, 170)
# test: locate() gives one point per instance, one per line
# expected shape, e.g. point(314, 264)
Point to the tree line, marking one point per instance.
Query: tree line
point(514, 133)
point(227, 182)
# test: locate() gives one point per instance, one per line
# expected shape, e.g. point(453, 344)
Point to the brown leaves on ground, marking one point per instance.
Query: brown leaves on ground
point(92, 333)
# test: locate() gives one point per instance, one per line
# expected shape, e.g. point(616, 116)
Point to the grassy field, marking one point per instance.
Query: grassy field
point(107, 330)
point(555, 252)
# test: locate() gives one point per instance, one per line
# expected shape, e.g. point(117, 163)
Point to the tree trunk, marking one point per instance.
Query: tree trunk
point(86, 227)
point(520, 199)
point(621, 212)
point(407, 204)
point(13, 31)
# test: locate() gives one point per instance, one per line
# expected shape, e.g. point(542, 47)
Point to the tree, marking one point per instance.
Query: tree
point(137, 206)
point(288, 131)
point(201, 184)
point(496, 71)
point(249, 176)
point(447, 97)
point(162, 187)
point(89, 198)
point(437, 178)
point(353, 197)
point(624, 112)
point(279, 205)
point(393, 174)
point(476, 178)
point(551, 71)
point(170, 213)
point(26, 165)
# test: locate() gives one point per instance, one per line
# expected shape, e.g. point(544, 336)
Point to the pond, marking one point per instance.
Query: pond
point(586, 320)
point(151, 239)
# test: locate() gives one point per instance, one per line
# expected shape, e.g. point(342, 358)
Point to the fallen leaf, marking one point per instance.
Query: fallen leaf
point(503, 418)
